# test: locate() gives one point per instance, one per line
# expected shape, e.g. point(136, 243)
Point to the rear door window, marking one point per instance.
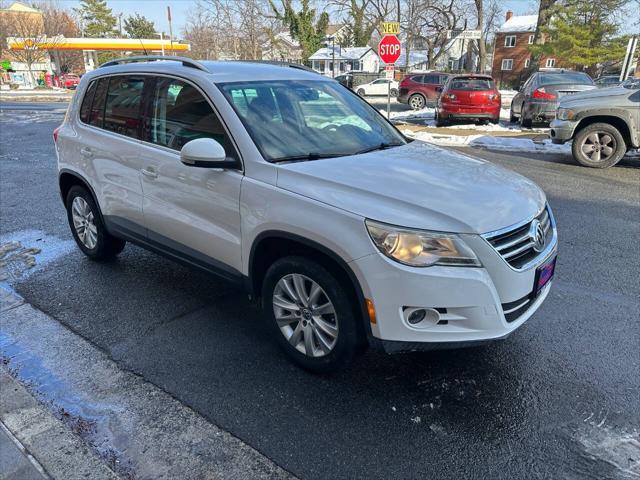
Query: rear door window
point(122, 109)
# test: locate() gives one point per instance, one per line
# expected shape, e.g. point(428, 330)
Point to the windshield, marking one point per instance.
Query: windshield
point(298, 119)
point(565, 78)
point(471, 84)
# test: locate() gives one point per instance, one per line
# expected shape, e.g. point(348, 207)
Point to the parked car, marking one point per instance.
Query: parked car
point(70, 80)
point(380, 86)
point(603, 124)
point(607, 81)
point(345, 79)
point(422, 89)
point(286, 184)
point(537, 99)
point(469, 97)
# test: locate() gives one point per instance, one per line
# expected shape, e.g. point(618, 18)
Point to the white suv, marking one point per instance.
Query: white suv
point(293, 187)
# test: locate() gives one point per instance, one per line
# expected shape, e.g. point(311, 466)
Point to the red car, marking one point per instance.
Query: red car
point(420, 90)
point(70, 80)
point(472, 97)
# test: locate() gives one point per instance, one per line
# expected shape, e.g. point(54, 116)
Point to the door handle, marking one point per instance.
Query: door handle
point(86, 151)
point(149, 172)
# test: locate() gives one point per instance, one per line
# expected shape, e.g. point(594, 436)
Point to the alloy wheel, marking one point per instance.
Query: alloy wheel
point(305, 315)
point(416, 102)
point(598, 146)
point(83, 222)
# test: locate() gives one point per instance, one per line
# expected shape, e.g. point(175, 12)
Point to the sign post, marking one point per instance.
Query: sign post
point(389, 52)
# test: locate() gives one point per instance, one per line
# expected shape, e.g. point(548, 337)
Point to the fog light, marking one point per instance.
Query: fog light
point(416, 316)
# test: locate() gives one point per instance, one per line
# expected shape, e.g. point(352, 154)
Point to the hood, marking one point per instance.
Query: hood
point(593, 94)
point(418, 185)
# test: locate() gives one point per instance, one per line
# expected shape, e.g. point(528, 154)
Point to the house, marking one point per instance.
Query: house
point(454, 57)
point(337, 34)
point(282, 48)
point(511, 57)
point(347, 59)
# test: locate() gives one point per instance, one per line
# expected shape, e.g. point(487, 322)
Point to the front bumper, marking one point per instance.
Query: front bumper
point(471, 302)
point(562, 130)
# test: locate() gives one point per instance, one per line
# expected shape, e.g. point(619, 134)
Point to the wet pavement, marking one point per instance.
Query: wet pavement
point(558, 399)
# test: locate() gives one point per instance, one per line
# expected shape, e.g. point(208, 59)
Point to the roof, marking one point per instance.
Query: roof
point(416, 57)
point(332, 29)
point(520, 23)
point(19, 7)
point(282, 37)
point(341, 53)
point(217, 71)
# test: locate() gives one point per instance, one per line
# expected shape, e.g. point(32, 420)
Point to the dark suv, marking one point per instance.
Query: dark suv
point(420, 90)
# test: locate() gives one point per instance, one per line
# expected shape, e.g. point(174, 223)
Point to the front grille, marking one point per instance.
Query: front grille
point(517, 246)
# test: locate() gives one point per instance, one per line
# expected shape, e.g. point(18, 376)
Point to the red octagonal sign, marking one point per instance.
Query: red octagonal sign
point(389, 49)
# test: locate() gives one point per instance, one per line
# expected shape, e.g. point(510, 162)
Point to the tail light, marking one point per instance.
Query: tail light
point(55, 134)
point(542, 94)
point(495, 97)
point(450, 96)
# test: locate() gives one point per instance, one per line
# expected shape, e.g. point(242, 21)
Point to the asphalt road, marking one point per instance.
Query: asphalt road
point(558, 399)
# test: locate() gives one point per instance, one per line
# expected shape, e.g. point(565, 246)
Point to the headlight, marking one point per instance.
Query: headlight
point(565, 114)
point(420, 248)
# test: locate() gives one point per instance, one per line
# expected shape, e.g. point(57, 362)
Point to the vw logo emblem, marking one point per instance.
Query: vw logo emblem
point(537, 235)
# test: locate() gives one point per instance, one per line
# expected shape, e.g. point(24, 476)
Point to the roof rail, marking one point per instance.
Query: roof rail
point(277, 63)
point(187, 62)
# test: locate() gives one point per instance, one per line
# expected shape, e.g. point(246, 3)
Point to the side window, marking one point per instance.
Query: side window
point(122, 111)
point(430, 79)
point(96, 116)
point(180, 113)
point(417, 78)
point(85, 108)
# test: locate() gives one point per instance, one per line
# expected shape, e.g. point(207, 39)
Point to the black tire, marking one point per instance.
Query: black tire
point(361, 92)
point(394, 92)
point(611, 136)
point(495, 121)
point(440, 122)
point(512, 117)
point(348, 341)
point(107, 246)
point(417, 101)
point(524, 121)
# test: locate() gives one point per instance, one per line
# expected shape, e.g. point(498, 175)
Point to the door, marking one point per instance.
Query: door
point(108, 143)
point(190, 211)
point(378, 87)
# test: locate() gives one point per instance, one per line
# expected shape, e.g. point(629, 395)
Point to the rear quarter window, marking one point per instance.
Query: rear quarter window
point(85, 108)
point(96, 114)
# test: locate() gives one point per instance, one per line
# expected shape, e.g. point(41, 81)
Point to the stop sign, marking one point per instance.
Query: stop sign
point(389, 49)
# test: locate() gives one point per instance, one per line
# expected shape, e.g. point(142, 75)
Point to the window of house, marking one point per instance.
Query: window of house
point(122, 108)
point(179, 113)
point(531, 37)
point(527, 63)
point(551, 62)
point(510, 41)
point(507, 64)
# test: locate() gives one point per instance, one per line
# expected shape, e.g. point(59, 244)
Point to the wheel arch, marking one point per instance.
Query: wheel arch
point(271, 245)
point(614, 120)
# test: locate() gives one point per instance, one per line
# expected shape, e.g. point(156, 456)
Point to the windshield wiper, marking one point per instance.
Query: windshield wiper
point(305, 157)
point(380, 146)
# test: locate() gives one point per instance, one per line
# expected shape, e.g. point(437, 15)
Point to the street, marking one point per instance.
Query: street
point(557, 399)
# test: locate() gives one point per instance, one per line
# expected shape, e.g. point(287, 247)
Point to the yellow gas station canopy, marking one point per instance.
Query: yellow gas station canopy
point(122, 44)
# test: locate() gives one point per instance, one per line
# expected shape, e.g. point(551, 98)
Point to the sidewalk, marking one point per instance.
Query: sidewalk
point(15, 462)
point(36, 95)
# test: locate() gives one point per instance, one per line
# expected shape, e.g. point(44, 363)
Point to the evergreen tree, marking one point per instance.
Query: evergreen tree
point(96, 18)
point(138, 26)
point(301, 25)
point(583, 33)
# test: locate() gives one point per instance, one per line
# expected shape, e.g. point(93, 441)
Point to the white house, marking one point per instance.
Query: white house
point(282, 48)
point(347, 59)
point(454, 56)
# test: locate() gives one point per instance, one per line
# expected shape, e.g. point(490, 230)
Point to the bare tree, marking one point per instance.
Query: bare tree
point(56, 22)
point(435, 19)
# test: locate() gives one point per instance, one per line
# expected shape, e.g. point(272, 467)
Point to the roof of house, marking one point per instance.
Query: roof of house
point(332, 29)
point(282, 37)
point(17, 7)
point(341, 53)
point(520, 23)
point(416, 57)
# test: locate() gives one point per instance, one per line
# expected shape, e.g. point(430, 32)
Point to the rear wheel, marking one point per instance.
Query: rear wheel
point(87, 227)
point(310, 314)
point(394, 92)
point(524, 121)
point(417, 101)
point(598, 145)
point(361, 92)
point(440, 122)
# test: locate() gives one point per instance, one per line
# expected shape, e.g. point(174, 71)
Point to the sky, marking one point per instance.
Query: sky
point(156, 11)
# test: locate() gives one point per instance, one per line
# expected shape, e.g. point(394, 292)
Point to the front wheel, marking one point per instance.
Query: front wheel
point(598, 145)
point(361, 92)
point(310, 314)
point(394, 92)
point(417, 101)
point(87, 227)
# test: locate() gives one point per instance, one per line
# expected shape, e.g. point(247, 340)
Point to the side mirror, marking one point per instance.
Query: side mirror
point(205, 153)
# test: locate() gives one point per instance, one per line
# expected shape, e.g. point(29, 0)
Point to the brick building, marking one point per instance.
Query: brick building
point(512, 59)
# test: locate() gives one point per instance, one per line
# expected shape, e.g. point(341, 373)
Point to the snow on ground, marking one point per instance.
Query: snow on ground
point(510, 144)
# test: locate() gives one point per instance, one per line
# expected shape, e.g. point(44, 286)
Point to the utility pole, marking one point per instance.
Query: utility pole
point(120, 23)
point(170, 30)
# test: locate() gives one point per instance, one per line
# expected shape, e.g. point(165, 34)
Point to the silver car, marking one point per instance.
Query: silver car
point(537, 99)
point(603, 124)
